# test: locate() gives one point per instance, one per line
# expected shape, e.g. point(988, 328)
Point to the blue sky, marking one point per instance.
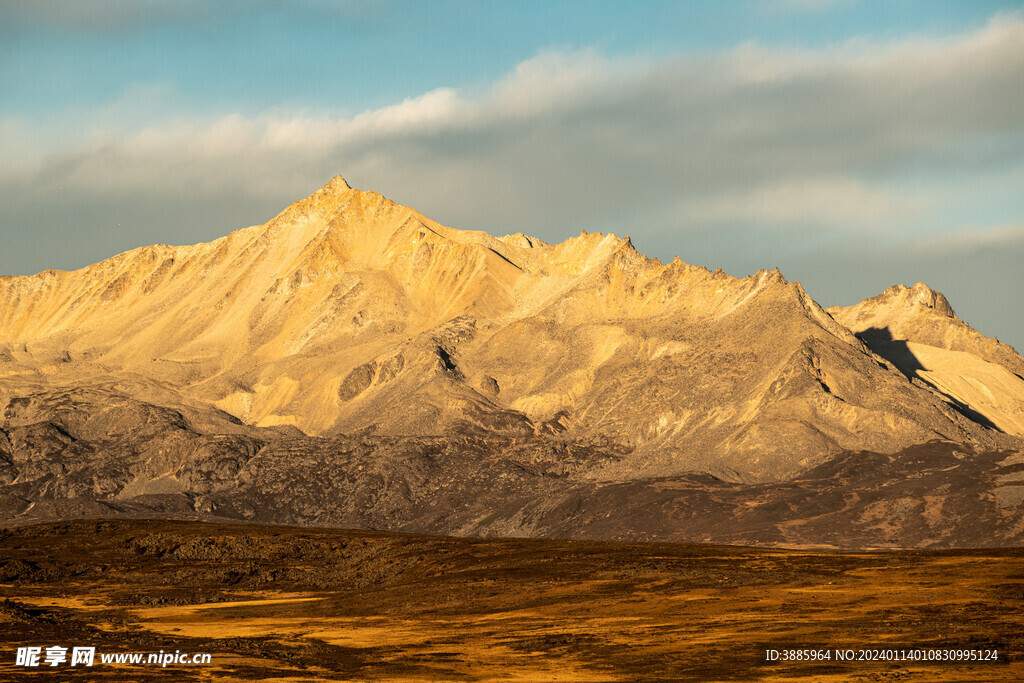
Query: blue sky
point(248, 56)
point(854, 144)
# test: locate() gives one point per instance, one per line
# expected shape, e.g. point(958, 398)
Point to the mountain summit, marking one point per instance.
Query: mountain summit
point(917, 330)
point(350, 314)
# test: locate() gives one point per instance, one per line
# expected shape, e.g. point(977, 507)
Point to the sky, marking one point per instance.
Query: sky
point(854, 145)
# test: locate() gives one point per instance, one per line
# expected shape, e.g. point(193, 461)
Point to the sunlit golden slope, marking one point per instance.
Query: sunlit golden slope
point(349, 313)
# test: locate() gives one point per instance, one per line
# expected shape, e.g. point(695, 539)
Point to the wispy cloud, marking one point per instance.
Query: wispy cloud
point(97, 15)
point(828, 202)
point(102, 16)
point(760, 133)
point(959, 242)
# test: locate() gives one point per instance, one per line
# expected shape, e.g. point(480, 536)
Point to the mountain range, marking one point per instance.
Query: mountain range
point(352, 362)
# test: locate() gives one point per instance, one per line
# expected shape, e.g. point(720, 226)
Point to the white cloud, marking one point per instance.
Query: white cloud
point(971, 239)
point(754, 134)
point(556, 79)
point(829, 202)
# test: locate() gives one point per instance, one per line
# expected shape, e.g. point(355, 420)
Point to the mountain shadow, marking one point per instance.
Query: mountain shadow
point(898, 352)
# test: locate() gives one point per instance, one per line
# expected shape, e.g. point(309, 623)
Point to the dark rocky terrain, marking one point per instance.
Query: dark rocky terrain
point(289, 604)
point(93, 452)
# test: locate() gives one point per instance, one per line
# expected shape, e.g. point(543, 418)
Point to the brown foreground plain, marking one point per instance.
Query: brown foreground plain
point(300, 604)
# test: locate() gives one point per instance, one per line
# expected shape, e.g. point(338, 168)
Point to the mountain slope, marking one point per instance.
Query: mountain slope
point(93, 451)
point(350, 314)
